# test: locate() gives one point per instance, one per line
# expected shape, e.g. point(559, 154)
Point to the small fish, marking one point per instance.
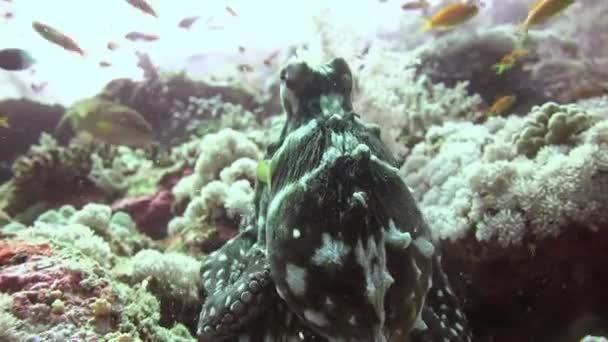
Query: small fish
point(587, 92)
point(4, 122)
point(104, 64)
point(143, 6)
point(245, 67)
point(451, 16)
point(15, 59)
point(108, 122)
point(187, 22)
point(508, 61)
point(112, 46)
point(8, 15)
point(501, 105)
point(241, 49)
point(542, 11)
point(38, 88)
point(137, 36)
point(231, 11)
point(270, 58)
point(415, 5)
point(56, 37)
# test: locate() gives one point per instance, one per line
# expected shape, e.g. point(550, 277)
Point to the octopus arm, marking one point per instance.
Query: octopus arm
point(237, 281)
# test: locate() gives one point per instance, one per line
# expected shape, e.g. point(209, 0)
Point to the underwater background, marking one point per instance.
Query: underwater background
point(304, 171)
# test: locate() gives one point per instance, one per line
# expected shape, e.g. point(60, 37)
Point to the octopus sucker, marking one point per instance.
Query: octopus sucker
point(336, 248)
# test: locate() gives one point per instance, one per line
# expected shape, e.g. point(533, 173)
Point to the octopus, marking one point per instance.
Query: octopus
point(336, 249)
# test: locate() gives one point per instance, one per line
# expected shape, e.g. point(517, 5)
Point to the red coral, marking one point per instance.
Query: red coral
point(152, 213)
point(10, 250)
point(36, 278)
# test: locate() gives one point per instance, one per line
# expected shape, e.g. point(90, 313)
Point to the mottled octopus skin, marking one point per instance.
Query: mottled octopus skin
point(337, 249)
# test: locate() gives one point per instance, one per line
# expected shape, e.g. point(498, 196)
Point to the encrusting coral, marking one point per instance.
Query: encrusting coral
point(62, 278)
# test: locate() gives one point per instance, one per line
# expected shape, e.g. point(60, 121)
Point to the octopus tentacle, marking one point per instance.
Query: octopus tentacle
point(237, 281)
point(442, 314)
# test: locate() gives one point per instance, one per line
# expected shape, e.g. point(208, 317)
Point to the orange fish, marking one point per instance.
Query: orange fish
point(136, 36)
point(268, 60)
point(56, 37)
point(143, 6)
point(451, 16)
point(112, 46)
point(543, 10)
point(187, 22)
point(415, 5)
point(501, 105)
point(508, 61)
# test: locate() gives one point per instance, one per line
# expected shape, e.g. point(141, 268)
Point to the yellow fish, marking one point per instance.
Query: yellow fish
point(501, 105)
point(543, 10)
point(508, 61)
point(4, 122)
point(451, 16)
point(108, 122)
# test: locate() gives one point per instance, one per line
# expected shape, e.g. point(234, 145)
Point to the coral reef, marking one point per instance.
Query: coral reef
point(171, 102)
point(407, 104)
point(551, 124)
point(219, 192)
point(60, 280)
point(49, 174)
point(527, 197)
point(468, 175)
point(27, 119)
point(184, 240)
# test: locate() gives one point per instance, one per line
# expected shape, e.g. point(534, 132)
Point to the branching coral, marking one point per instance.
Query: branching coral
point(471, 178)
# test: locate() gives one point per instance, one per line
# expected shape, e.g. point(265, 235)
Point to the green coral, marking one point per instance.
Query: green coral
point(175, 275)
point(551, 124)
point(117, 230)
point(118, 312)
point(141, 317)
